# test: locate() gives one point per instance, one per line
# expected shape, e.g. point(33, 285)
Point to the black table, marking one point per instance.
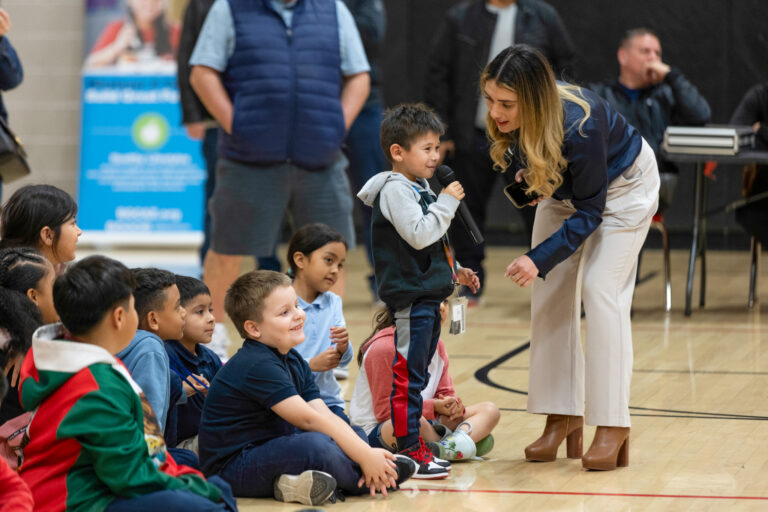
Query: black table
point(699, 247)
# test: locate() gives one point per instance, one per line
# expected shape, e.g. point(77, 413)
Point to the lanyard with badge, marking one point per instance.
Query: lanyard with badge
point(457, 305)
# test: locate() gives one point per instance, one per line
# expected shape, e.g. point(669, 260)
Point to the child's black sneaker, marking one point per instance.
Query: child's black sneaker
point(428, 469)
point(406, 467)
point(309, 488)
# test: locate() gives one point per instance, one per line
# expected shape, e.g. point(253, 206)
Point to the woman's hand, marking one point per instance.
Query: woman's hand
point(522, 271)
point(519, 178)
point(469, 279)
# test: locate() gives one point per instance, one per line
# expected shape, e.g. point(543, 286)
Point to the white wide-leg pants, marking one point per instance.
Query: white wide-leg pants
point(564, 379)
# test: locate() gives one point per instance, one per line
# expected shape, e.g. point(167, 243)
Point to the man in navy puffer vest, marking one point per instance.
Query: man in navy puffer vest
point(285, 79)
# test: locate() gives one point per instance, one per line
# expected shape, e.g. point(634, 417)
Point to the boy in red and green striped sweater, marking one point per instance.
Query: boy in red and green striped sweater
point(94, 442)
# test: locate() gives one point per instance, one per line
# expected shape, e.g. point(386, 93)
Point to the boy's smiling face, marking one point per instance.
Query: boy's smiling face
point(282, 321)
point(420, 160)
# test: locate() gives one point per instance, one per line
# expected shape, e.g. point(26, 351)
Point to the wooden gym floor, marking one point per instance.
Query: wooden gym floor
point(699, 402)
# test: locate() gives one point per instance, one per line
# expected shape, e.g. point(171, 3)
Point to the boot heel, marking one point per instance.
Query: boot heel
point(623, 459)
point(574, 443)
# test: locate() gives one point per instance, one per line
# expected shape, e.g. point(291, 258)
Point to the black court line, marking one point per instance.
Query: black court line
point(683, 416)
point(483, 375)
point(661, 372)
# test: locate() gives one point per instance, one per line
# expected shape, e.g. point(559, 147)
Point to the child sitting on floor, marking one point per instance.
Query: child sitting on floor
point(370, 407)
point(161, 318)
point(264, 428)
point(95, 443)
point(190, 360)
point(19, 320)
point(316, 255)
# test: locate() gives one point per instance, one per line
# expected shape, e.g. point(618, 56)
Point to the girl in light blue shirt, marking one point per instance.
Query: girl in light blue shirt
point(316, 255)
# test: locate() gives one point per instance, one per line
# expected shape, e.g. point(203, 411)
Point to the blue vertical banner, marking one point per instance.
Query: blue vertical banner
point(142, 179)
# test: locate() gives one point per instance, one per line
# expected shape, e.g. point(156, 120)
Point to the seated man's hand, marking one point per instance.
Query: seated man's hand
point(656, 71)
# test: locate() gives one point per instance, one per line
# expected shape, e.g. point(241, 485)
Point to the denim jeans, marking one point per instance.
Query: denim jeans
point(252, 473)
point(178, 500)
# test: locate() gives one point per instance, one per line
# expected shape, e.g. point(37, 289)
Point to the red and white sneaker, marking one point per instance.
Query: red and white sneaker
point(428, 468)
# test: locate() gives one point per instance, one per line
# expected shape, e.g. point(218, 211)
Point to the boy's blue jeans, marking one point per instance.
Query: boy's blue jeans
point(417, 331)
point(252, 473)
point(177, 500)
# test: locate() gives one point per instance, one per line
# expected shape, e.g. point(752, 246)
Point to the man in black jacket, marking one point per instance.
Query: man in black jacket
point(472, 33)
point(651, 95)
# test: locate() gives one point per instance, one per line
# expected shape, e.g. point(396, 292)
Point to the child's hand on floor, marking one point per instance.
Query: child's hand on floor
point(191, 386)
point(468, 278)
point(324, 361)
point(378, 468)
point(340, 337)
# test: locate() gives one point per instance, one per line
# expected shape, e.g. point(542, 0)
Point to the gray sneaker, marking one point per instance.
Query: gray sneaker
point(309, 488)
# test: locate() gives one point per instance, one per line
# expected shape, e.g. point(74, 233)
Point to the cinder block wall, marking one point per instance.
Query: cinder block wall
point(45, 109)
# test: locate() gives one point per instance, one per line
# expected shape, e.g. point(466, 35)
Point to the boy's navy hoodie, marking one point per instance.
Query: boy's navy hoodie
point(408, 224)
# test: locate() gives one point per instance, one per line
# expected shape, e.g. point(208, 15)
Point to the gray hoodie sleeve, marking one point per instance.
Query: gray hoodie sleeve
point(399, 204)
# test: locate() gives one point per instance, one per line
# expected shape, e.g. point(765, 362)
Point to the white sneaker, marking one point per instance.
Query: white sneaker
point(309, 488)
point(220, 342)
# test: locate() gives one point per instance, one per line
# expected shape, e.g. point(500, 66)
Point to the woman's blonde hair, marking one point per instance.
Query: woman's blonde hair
point(525, 71)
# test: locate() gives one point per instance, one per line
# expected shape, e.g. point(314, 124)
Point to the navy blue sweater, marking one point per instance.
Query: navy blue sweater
point(608, 146)
point(203, 362)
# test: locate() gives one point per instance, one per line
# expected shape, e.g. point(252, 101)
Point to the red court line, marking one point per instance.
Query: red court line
point(613, 494)
point(677, 329)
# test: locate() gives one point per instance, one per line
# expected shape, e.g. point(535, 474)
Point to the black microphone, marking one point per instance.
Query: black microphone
point(445, 177)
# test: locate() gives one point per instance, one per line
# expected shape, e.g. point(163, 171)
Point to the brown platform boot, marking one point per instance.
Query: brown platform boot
point(557, 428)
point(609, 449)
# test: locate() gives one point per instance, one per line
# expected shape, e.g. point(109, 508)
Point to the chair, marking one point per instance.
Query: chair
point(658, 223)
point(754, 268)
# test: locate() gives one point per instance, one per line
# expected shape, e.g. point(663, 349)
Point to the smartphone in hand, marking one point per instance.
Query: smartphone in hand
point(516, 193)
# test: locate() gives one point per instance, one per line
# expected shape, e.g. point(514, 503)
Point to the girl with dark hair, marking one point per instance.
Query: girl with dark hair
point(597, 185)
point(146, 29)
point(41, 217)
point(316, 255)
point(19, 322)
point(19, 318)
point(27, 271)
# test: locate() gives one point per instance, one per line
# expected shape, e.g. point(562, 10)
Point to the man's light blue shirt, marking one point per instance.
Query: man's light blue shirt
point(325, 312)
point(216, 42)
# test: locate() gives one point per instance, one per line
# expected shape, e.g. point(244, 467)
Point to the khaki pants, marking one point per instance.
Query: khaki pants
point(601, 273)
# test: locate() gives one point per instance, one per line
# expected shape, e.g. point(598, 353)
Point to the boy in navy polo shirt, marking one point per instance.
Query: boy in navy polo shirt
point(195, 364)
point(265, 429)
